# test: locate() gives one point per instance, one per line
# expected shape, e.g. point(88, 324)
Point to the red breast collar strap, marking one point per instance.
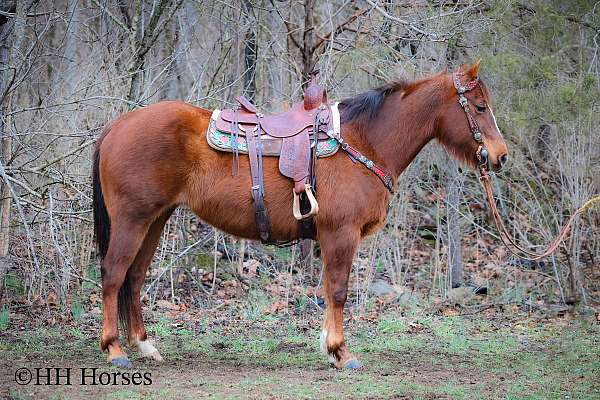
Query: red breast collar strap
point(385, 177)
point(356, 155)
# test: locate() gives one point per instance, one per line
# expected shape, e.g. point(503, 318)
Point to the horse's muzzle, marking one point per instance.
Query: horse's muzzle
point(502, 161)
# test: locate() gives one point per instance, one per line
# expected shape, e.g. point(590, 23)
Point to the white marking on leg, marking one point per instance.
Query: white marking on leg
point(146, 347)
point(323, 343)
point(148, 350)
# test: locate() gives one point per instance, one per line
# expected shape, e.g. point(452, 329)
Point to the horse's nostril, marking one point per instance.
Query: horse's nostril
point(503, 159)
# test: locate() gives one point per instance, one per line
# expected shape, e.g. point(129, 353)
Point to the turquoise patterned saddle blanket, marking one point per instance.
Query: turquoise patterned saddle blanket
point(271, 146)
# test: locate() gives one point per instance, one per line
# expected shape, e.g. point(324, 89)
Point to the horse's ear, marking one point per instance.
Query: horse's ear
point(445, 70)
point(473, 71)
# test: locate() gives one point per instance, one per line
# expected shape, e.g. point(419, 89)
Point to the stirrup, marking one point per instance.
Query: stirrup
point(314, 206)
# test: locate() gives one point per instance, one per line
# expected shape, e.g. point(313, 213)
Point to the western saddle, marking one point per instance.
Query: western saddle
point(297, 137)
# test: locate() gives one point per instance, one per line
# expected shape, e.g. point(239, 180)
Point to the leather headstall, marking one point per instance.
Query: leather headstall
point(482, 153)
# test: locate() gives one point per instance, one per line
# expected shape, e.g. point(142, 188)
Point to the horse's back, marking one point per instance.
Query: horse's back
point(146, 155)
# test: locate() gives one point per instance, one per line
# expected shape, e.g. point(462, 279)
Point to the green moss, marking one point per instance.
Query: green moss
point(205, 260)
point(4, 318)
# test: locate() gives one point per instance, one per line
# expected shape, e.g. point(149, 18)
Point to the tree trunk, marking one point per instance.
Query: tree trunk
point(308, 40)
point(142, 37)
point(455, 270)
point(12, 31)
point(136, 63)
point(250, 50)
point(275, 66)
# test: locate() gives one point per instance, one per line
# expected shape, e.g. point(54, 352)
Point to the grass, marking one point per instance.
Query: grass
point(4, 318)
point(452, 357)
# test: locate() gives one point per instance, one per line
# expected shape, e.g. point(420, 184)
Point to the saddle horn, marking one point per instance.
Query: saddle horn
point(314, 95)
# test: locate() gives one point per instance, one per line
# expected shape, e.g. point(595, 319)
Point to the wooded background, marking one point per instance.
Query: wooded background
point(67, 67)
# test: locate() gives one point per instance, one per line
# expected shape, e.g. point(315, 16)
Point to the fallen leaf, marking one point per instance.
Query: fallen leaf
point(450, 312)
point(167, 305)
point(252, 267)
point(51, 300)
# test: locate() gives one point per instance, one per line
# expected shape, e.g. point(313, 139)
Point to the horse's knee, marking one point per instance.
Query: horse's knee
point(113, 275)
point(340, 295)
point(111, 284)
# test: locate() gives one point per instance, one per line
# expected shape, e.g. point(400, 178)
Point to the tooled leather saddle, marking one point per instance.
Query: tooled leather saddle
point(297, 137)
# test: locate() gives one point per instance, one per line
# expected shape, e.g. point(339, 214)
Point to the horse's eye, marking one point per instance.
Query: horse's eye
point(480, 108)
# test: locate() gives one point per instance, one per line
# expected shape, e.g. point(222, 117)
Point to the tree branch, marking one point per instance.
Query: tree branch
point(112, 16)
point(340, 28)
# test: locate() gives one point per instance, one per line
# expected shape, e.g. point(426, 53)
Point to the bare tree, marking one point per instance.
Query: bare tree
point(143, 34)
point(455, 259)
point(250, 50)
point(12, 28)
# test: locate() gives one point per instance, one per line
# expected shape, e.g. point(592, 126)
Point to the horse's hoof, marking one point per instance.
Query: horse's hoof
point(353, 363)
point(121, 362)
point(155, 355)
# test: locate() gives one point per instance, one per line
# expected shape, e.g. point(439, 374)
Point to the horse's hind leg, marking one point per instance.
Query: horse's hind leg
point(125, 240)
point(337, 251)
point(135, 278)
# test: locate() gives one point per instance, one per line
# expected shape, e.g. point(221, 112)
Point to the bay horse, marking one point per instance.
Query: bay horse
point(149, 161)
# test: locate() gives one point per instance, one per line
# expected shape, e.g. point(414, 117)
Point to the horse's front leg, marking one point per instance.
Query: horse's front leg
point(337, 251)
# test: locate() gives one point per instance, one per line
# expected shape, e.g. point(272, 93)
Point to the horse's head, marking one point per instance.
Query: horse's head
point(467, 126)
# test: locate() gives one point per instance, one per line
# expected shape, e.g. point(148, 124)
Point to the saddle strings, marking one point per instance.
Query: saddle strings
point(235, 165)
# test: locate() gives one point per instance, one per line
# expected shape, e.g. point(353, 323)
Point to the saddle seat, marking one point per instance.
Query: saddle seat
point(283, 125)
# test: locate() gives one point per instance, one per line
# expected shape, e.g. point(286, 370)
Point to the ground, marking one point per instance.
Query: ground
point(490, 354)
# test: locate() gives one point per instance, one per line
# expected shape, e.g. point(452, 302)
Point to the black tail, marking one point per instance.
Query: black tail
point(102, 231)
point(101, 218)
point(125, 304)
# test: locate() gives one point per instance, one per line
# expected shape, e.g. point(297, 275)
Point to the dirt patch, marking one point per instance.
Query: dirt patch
point(449, 358)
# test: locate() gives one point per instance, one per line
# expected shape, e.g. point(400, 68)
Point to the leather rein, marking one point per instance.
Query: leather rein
point(483, 166)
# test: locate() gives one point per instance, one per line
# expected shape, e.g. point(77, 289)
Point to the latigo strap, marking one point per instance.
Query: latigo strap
point(258, 188)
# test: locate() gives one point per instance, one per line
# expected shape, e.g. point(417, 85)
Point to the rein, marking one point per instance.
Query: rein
point(483, 165)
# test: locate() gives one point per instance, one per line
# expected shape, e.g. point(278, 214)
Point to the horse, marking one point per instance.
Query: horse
point(151, 160)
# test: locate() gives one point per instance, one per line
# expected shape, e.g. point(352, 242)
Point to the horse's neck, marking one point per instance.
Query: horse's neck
point(402, 128)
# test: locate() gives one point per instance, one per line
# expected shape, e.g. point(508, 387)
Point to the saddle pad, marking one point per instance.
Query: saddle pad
point(222, 141)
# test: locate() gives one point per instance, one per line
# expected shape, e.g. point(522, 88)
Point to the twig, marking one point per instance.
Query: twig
point(340, 28)
point(112, 16)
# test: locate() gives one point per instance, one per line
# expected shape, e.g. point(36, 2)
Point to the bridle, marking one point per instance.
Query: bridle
point(483, 162)
point(482, 153)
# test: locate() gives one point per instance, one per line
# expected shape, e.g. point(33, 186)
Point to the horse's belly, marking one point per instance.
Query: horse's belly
point(225, 202)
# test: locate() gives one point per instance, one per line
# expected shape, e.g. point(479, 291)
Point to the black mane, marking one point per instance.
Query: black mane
point(365, 106)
